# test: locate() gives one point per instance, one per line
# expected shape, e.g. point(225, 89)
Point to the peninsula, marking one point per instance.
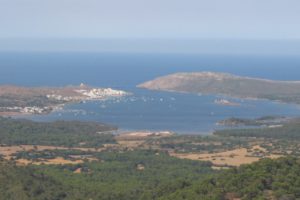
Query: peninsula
point(227, 84)
point(40, 100)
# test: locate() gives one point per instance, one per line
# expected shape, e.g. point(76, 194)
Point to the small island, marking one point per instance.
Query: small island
point(265, 121)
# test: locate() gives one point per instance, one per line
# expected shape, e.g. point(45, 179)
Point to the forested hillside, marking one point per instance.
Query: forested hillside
point(59, 133)
point(145, 175)
point(122, 176)
point(266, 179)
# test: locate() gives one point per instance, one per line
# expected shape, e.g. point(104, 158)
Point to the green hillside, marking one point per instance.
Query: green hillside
point(162, 177)
point(266, 179)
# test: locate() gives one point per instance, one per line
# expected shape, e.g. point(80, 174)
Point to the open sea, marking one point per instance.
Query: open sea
point(148, 110)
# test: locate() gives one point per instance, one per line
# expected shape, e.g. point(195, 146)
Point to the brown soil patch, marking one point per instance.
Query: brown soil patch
point(234, 157)
point(259, 148)
point(207, 143)
point(8, 151)
point(142, 135)
point(138, 138)
point(78, 171)
point(54, 161)
point(23, 162)
point(130, 143)
point(89, 158)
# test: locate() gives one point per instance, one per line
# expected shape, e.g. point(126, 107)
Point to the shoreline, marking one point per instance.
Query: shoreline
point(20, 100)
point(218, 83)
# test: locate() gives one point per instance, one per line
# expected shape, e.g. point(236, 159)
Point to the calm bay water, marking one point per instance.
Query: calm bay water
point(150, 110)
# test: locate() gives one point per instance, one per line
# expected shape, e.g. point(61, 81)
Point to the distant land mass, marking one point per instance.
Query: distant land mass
point(227, 84)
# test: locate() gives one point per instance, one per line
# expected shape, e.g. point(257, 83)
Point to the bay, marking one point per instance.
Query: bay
point(148, 110)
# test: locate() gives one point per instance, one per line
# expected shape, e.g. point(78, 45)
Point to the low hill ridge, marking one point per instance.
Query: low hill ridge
point(226, 84)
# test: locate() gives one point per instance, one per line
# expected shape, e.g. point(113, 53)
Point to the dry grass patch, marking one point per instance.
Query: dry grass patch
point(137, 138)
point(8, 151)
point(130, 143)
point(54, 161)
point(234, 157)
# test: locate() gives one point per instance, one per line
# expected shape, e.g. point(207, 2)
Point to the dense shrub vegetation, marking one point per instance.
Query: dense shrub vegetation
point(162, 177)
point(145, 172)
point(198, 143)
point(266, 179)
point(59, 133)
point(25, 183)
point(129, 175)
point(289, 130)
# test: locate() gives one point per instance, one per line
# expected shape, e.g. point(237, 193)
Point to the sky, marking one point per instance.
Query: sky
point(73, 20)
point(242, 19)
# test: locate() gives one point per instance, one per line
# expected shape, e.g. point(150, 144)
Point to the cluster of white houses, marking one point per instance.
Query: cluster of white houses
point(81, 94)
point(26, 110)
point(90, 94)
point(102, 93)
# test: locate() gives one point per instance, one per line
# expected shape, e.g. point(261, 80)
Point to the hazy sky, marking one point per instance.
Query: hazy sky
point(237, 19)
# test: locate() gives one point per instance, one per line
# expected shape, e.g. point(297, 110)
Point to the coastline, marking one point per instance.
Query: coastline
point(18, 100)
point(216, 83)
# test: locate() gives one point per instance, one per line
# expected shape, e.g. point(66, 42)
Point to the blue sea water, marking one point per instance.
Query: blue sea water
point(148, 110)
